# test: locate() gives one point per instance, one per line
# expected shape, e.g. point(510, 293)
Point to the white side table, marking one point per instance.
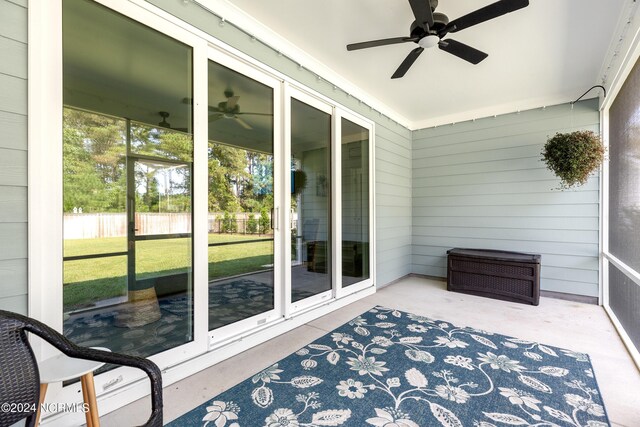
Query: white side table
point(63, 368)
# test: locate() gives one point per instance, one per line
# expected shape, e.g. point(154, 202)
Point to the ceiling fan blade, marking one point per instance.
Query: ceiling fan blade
point(243, 123)
point(232, 101)
point(462, 50)
point(423, 13)
point(381, 42)
point(407, 63)
point(486, 13)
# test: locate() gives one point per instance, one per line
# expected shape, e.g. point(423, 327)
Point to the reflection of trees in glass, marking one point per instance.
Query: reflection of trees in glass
point(94, 148)
point(239, 180)
point(147, 194)
point(265, 221)
point(252, 225)
point(161, 142)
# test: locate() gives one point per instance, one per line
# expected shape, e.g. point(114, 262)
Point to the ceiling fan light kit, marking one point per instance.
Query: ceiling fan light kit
point(430, 27)
point(429, 41)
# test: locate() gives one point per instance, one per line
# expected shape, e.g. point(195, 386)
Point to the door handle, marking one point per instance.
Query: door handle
point(275, 220)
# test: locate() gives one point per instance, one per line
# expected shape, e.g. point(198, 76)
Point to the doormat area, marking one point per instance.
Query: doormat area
point(391, 368)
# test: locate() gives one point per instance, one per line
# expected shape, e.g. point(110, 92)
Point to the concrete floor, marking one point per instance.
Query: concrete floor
point(575, 326)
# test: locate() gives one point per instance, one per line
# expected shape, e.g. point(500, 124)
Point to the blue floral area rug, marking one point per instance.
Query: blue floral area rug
point(388, 368)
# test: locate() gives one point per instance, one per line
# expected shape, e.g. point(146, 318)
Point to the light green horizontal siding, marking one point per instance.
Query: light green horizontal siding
point(13, 241)
point(13, 21)
point(13, 204)
point(530, 223)
point(482, 184)
point(13, 97)
point(393, 205)
point(14, 274)
point(10, 48)
point(13, 167)
point(13, 155)
point(17, 304)
point(19, 2)
point(13, 131)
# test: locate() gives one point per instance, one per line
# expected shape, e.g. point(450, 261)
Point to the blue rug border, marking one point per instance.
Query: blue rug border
point(595, 379)
point(380, 307)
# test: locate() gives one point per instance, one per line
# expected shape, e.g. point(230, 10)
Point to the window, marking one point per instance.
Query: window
point(127, 156)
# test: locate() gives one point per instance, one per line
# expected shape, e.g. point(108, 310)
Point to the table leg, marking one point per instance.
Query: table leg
point(89, 394)
point(85, 399)
point(43, 392)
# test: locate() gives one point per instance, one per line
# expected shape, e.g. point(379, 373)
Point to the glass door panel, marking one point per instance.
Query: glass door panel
point(355, 203)
point(160, 250)
point(310, 201)
point(241, 197)
point(127, 153)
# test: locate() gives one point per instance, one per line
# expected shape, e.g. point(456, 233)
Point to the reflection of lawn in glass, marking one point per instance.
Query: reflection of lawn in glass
point(92, 280)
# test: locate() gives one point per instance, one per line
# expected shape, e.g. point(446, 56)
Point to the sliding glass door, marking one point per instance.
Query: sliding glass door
point(205, 197)
point(355, 202)
point(128, 151)
point(242, 198)
point(310, 148)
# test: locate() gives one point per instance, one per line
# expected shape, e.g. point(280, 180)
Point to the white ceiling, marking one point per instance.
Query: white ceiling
point(547, 53)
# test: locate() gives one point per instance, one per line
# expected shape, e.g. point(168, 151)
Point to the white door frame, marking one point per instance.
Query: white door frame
point(45, 186)
point(221, 335)
point(293, 92)
point(369, 126)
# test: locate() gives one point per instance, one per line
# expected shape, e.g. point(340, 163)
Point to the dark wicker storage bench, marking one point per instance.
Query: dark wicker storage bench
point(510, 276)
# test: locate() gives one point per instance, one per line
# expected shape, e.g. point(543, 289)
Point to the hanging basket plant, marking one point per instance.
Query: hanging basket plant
point(573, 156)
point(298, 181)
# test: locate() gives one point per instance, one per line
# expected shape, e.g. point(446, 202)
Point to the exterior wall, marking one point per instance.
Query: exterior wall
point(13, 155)
point(393, 204)
point(392, 152)
point(482, 184)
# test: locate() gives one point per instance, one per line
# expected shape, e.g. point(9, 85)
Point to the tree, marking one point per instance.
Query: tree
point(265, 221)
point(252, 224)
point(93, 162)
point(229, 223)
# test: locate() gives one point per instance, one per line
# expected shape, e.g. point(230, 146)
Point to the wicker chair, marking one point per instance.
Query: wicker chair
point(19, 377)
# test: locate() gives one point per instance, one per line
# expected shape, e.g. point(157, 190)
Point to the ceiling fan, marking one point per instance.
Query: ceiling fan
point(229, 109)
point(165, 124)
point(430, 27)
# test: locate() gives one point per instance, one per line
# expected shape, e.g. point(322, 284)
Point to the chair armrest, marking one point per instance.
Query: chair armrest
point(72, 350)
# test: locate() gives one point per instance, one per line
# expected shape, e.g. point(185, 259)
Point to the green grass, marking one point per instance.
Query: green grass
point(91, 280)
